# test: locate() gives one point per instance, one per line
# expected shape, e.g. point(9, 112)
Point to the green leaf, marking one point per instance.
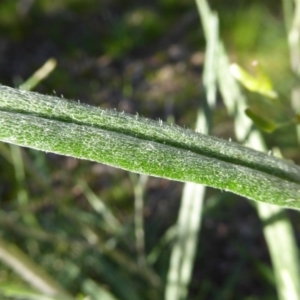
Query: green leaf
point(261, 83)
point(144, 146)
point(260, 121)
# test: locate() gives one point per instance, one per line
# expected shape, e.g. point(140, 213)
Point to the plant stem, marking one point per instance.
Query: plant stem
point(144, 146)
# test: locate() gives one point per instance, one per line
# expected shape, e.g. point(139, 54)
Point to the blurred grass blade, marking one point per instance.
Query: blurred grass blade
point(22, 195)
point(293, 33)
point(139, 183)
point(286, 278)
point(136, 144)
point(168, 237)
point(113, 225)
point(184, 248)
point(292, 21)
point(30, 271)
point(42, 73)
point(95, 291)
point(236, 104)
point(190, 213)
point(20, 293)
point(283, 249)
point(288, 12)
point(13, 292)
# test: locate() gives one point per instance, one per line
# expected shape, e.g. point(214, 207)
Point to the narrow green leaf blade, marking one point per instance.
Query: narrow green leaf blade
point(164, 151)
point(260, 121)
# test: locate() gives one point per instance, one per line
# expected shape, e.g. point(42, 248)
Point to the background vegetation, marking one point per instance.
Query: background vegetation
point(102, 231)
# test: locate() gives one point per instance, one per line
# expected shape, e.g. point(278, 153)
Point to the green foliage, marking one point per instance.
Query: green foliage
point(139, 145)
point(262, 84)
point(73, 222)
point(260, 121)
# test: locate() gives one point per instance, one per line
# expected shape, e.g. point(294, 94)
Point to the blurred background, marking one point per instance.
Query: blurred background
point(76, 220)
